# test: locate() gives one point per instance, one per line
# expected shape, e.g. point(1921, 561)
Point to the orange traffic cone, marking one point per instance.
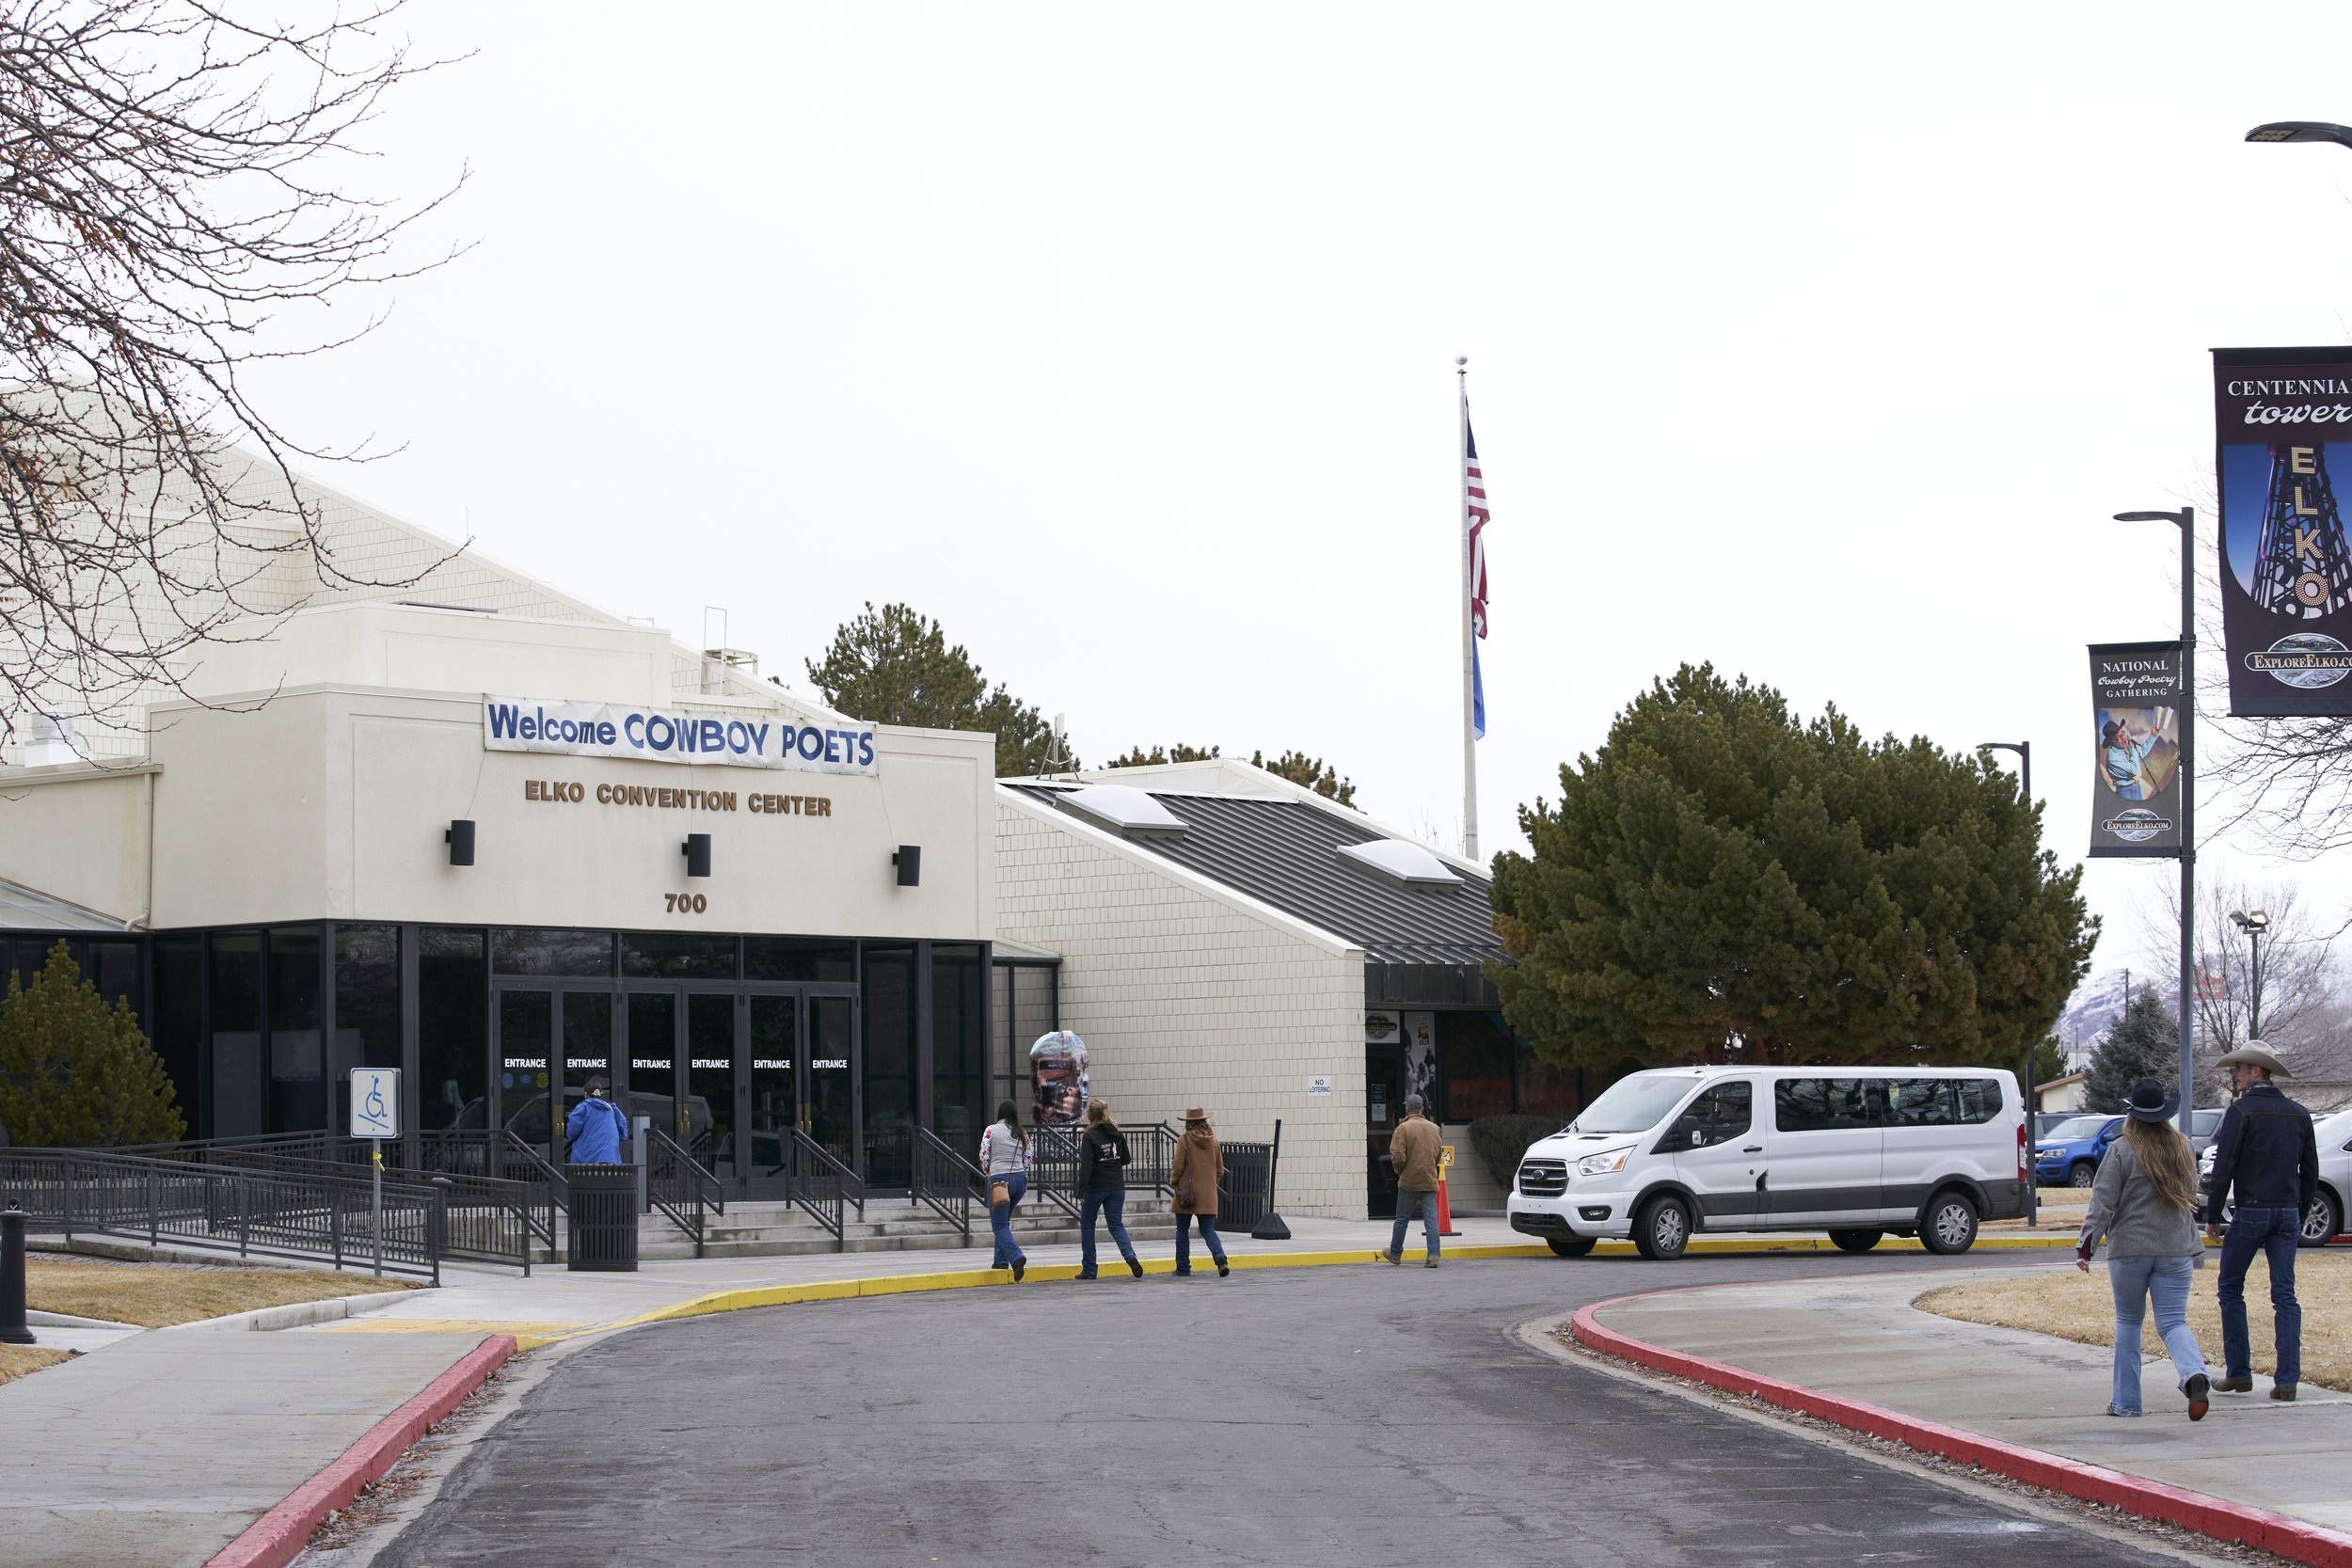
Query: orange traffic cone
point(1445, 1209)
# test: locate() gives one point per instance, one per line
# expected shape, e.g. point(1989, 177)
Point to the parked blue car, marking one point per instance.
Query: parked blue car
point(2069, 1155)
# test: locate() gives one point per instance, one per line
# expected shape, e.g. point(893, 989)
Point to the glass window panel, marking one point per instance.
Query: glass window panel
point(179, 1021)
point(799, 959)
point(453, 1029)
point(1475, 1067)
point(1823, 1104)
point(550, 952)
point(1920, 1102)
point(115, 970)
point(239, 1096)
point(959, 1044)
point(831, 1083)
point(889, 1010)
point(298, 1065)
point(1980, 1101)
point(367, 1009)
point(672, 956)
point(1546, 1090)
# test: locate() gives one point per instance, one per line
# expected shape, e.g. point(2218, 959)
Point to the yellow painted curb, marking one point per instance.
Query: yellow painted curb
point(959, 1280)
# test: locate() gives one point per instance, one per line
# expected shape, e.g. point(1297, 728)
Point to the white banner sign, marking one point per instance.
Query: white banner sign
point(662, 735)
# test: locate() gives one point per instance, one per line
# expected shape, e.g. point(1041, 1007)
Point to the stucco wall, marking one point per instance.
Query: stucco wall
point(331, 801)
point(77, 834)
point(1188, 993)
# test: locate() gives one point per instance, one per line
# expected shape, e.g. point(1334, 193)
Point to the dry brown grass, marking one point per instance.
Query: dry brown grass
point(2071, 1305)
point(154, 1296)
point(16, 1360)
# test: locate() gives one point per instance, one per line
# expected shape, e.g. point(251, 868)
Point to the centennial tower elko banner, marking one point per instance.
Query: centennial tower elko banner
point(2283, 420)
point(2135, 724)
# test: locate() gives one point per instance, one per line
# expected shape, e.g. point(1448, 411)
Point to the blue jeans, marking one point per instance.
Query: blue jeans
point(1112, 1207)
point(2136, 1282)
point(1000, 1219)
point(2275, 1233)
point(1183, 1239)
point(1407, 1205)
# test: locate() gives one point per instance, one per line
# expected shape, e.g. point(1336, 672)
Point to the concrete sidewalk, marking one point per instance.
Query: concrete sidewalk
point(1860, 1338)
point(155, 1451)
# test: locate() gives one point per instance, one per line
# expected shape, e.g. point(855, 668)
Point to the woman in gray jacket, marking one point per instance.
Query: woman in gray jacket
point(2145, 1204)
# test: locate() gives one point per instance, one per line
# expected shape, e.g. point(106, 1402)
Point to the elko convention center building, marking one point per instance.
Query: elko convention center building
point(478, 829)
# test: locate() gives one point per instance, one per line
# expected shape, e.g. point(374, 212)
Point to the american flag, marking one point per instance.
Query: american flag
point(1475, 486)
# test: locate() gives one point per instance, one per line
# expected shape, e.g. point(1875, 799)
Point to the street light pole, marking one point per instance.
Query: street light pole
point(2186, 521)
point(2256, 924)
point(2024, 1079)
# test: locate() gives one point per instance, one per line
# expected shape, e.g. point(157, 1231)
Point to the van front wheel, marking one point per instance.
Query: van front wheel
point(1949, 1225)
point(1856, 1241)
point(1568, 1246)
point(1662, 1228)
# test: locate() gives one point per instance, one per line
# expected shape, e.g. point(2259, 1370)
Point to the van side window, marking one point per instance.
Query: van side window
point(1920, 1102)
point(1823, 1104)
point(1723, 1111)
point(1979, 1099)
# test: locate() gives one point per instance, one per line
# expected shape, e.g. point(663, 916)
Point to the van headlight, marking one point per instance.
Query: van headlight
point(1601, 1165)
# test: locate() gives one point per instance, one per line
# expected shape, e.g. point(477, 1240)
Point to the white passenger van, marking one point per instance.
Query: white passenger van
point(1858, 1151)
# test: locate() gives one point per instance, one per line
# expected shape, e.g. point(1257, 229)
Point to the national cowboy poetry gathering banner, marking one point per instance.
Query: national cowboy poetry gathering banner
point(2283, 429)
point(2136, 718)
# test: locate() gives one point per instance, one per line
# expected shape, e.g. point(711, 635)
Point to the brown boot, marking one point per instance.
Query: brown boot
point(2282, 1391)
point(2233, 1386)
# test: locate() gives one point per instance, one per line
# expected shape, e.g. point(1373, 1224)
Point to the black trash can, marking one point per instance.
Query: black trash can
point(600, 1233)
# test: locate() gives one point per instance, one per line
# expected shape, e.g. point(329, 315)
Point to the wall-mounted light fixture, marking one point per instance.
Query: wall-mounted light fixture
point(909, 859)
point(460, 841)
point(697, 853)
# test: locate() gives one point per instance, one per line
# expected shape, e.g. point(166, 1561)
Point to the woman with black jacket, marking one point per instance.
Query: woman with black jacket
point(1102, 1188)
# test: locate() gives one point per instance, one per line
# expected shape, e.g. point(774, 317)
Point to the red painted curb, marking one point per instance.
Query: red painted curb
point(2208, 1515)
point(278, 1536)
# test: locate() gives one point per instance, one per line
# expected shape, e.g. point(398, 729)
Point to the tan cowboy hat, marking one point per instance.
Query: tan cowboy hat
point(2255, 1053)
point(1194, 1112)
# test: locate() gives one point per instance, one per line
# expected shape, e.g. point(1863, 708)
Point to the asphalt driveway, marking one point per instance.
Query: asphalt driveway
point(1359, 1416)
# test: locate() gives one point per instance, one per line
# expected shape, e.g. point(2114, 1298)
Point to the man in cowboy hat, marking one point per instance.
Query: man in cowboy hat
point(2265, 1151)
point(1414, 1149)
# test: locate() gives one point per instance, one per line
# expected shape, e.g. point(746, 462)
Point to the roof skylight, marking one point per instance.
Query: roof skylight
point(1400, 861)
point(1122, 808)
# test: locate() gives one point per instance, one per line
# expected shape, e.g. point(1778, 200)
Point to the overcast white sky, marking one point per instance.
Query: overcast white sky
point(1819, 342)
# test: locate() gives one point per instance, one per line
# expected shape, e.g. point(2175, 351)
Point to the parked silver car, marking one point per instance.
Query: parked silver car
point(2326, 1220)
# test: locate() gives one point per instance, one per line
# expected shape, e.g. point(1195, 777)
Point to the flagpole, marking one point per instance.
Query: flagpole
point(1469, 646)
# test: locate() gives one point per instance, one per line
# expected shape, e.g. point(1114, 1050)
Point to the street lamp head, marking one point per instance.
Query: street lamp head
point(2257, 920)
point(2178, 519)
point(2301, 130)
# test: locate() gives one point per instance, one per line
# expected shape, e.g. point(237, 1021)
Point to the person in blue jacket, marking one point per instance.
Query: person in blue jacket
point(596, 1128)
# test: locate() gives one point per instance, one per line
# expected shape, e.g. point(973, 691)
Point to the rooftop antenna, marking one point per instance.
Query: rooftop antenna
point(1057, 753)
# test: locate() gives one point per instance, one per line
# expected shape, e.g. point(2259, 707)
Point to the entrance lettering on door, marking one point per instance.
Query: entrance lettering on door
point(711, 1061)
point(525, 1061)
point(831, 1061)
point(783, 1063)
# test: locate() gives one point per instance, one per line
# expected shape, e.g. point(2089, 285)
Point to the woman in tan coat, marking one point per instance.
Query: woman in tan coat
point(1198, 1167)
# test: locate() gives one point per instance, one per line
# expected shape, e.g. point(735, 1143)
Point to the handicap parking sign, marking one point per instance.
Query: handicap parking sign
point(375, 1102)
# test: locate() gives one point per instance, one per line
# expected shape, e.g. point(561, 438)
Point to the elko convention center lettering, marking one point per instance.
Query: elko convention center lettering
point(653, 796)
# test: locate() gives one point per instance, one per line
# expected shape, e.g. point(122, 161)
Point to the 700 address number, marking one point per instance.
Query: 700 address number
point(685, 903)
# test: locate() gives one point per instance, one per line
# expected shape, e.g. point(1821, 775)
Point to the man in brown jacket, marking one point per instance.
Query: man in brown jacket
point(1413, 1151)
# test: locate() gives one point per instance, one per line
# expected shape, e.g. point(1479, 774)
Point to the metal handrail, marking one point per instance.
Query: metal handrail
point(822, 1187)
point(1054, 1166)
point(311, 1217)
point(944, 1181)
point(489, 1220)
point(677, 1187)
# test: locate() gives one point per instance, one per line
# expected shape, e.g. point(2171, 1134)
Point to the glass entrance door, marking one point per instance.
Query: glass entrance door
point(775, 1061)
point(1384, 1107)
point(803, 1076)
point(710, 1081)
point(550, 1042)
point(828, 1080)
point(654, 1067)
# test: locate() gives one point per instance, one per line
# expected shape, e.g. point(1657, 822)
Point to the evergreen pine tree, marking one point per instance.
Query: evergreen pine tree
point(75, 1073)
point(2144, 1043)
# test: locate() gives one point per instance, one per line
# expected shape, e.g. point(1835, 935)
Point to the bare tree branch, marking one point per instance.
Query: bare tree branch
point(176, 205)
